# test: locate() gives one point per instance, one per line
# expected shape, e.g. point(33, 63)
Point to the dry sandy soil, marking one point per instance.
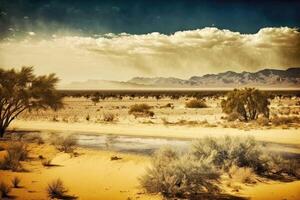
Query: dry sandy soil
point(92, 175)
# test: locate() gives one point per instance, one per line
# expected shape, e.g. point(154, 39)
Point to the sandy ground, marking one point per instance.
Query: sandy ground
point(92, 175)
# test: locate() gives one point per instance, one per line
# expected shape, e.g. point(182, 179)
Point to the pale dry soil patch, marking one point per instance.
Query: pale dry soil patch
point(91, 175)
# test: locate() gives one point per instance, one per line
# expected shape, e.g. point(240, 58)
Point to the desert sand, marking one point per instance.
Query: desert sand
point(93, 175)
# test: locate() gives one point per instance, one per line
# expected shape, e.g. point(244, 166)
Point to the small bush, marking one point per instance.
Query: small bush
point(67, 144)
point(46, 162)
point(4, 190)
point(198, 170)
point(16, 182)
point(108, 117)
point(175, 175)
point(141, 110)
point(241, 174)
point(34, 138)
point(277, 121)
point(56, 189)
point(195, 103)
point(16, 152)
point(262, 121)
point(225, 152)
point(20, 149)
point(232, 116)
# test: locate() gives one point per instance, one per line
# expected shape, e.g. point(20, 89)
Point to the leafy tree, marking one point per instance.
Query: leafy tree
point(247, 103)
point(22, 90)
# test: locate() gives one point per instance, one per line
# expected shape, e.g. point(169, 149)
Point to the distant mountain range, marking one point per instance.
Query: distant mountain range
point(267, 78)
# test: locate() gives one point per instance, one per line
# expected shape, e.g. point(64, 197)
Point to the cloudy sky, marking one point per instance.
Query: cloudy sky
point(117, 40)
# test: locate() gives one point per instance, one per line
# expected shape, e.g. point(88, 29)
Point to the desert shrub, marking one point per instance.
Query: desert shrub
point(248, 103)
point(56, 189)
point(16, 182)
point(168, 105)
point(20, 149)
point(16, 152)
point(141, 110)
point(95, 98)
point(66, 144)
point(241, 174)
point(228, 151)
point(108, 117)
point(46, 162)
point(4, 190)
point(175, 175)
point(262, 121)
point(277, 121)
point(198, 170)
point(232, 116)
point(34, 138)
point(196, 103)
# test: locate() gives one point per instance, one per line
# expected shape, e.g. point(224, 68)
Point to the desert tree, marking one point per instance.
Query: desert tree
point(247, 103)
point(22, 90)
point(95, 98)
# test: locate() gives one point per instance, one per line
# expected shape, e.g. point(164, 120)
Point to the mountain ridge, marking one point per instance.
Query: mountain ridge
point(289, 78)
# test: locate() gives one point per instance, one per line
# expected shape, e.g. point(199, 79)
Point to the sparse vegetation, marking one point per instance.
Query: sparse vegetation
point(16, 182)
point(4, 190)
point(285, 120)
point(108, 117)
point(141, 110)
point(242, 152)
point(96, 98)
point(196, 103)
point(248, 103)
point(241, 174)
point(56, 189)
point(66, 144)
point(46, 162)
point(177, 174)
point(16, 152)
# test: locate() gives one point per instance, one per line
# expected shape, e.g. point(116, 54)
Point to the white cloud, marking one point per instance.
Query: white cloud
point(182, 54)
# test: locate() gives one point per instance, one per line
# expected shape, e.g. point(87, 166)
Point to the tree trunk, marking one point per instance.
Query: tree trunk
point(2, 131)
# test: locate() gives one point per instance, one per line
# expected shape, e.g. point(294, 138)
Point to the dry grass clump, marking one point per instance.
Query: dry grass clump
point(168, 105)
point(288, 120)
point(141, 110)
point(241, 174)
point(262, 121)
point(4, 190)
point(34, 138)
point(46, 162)
point(228, 151)
point(109, 117)
point(244, 152)
point(232, 117)
point(16, 152)
point(64, 144)
point(184, 122)
point(56, 189)
point(16, 182)
point(196, 103)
